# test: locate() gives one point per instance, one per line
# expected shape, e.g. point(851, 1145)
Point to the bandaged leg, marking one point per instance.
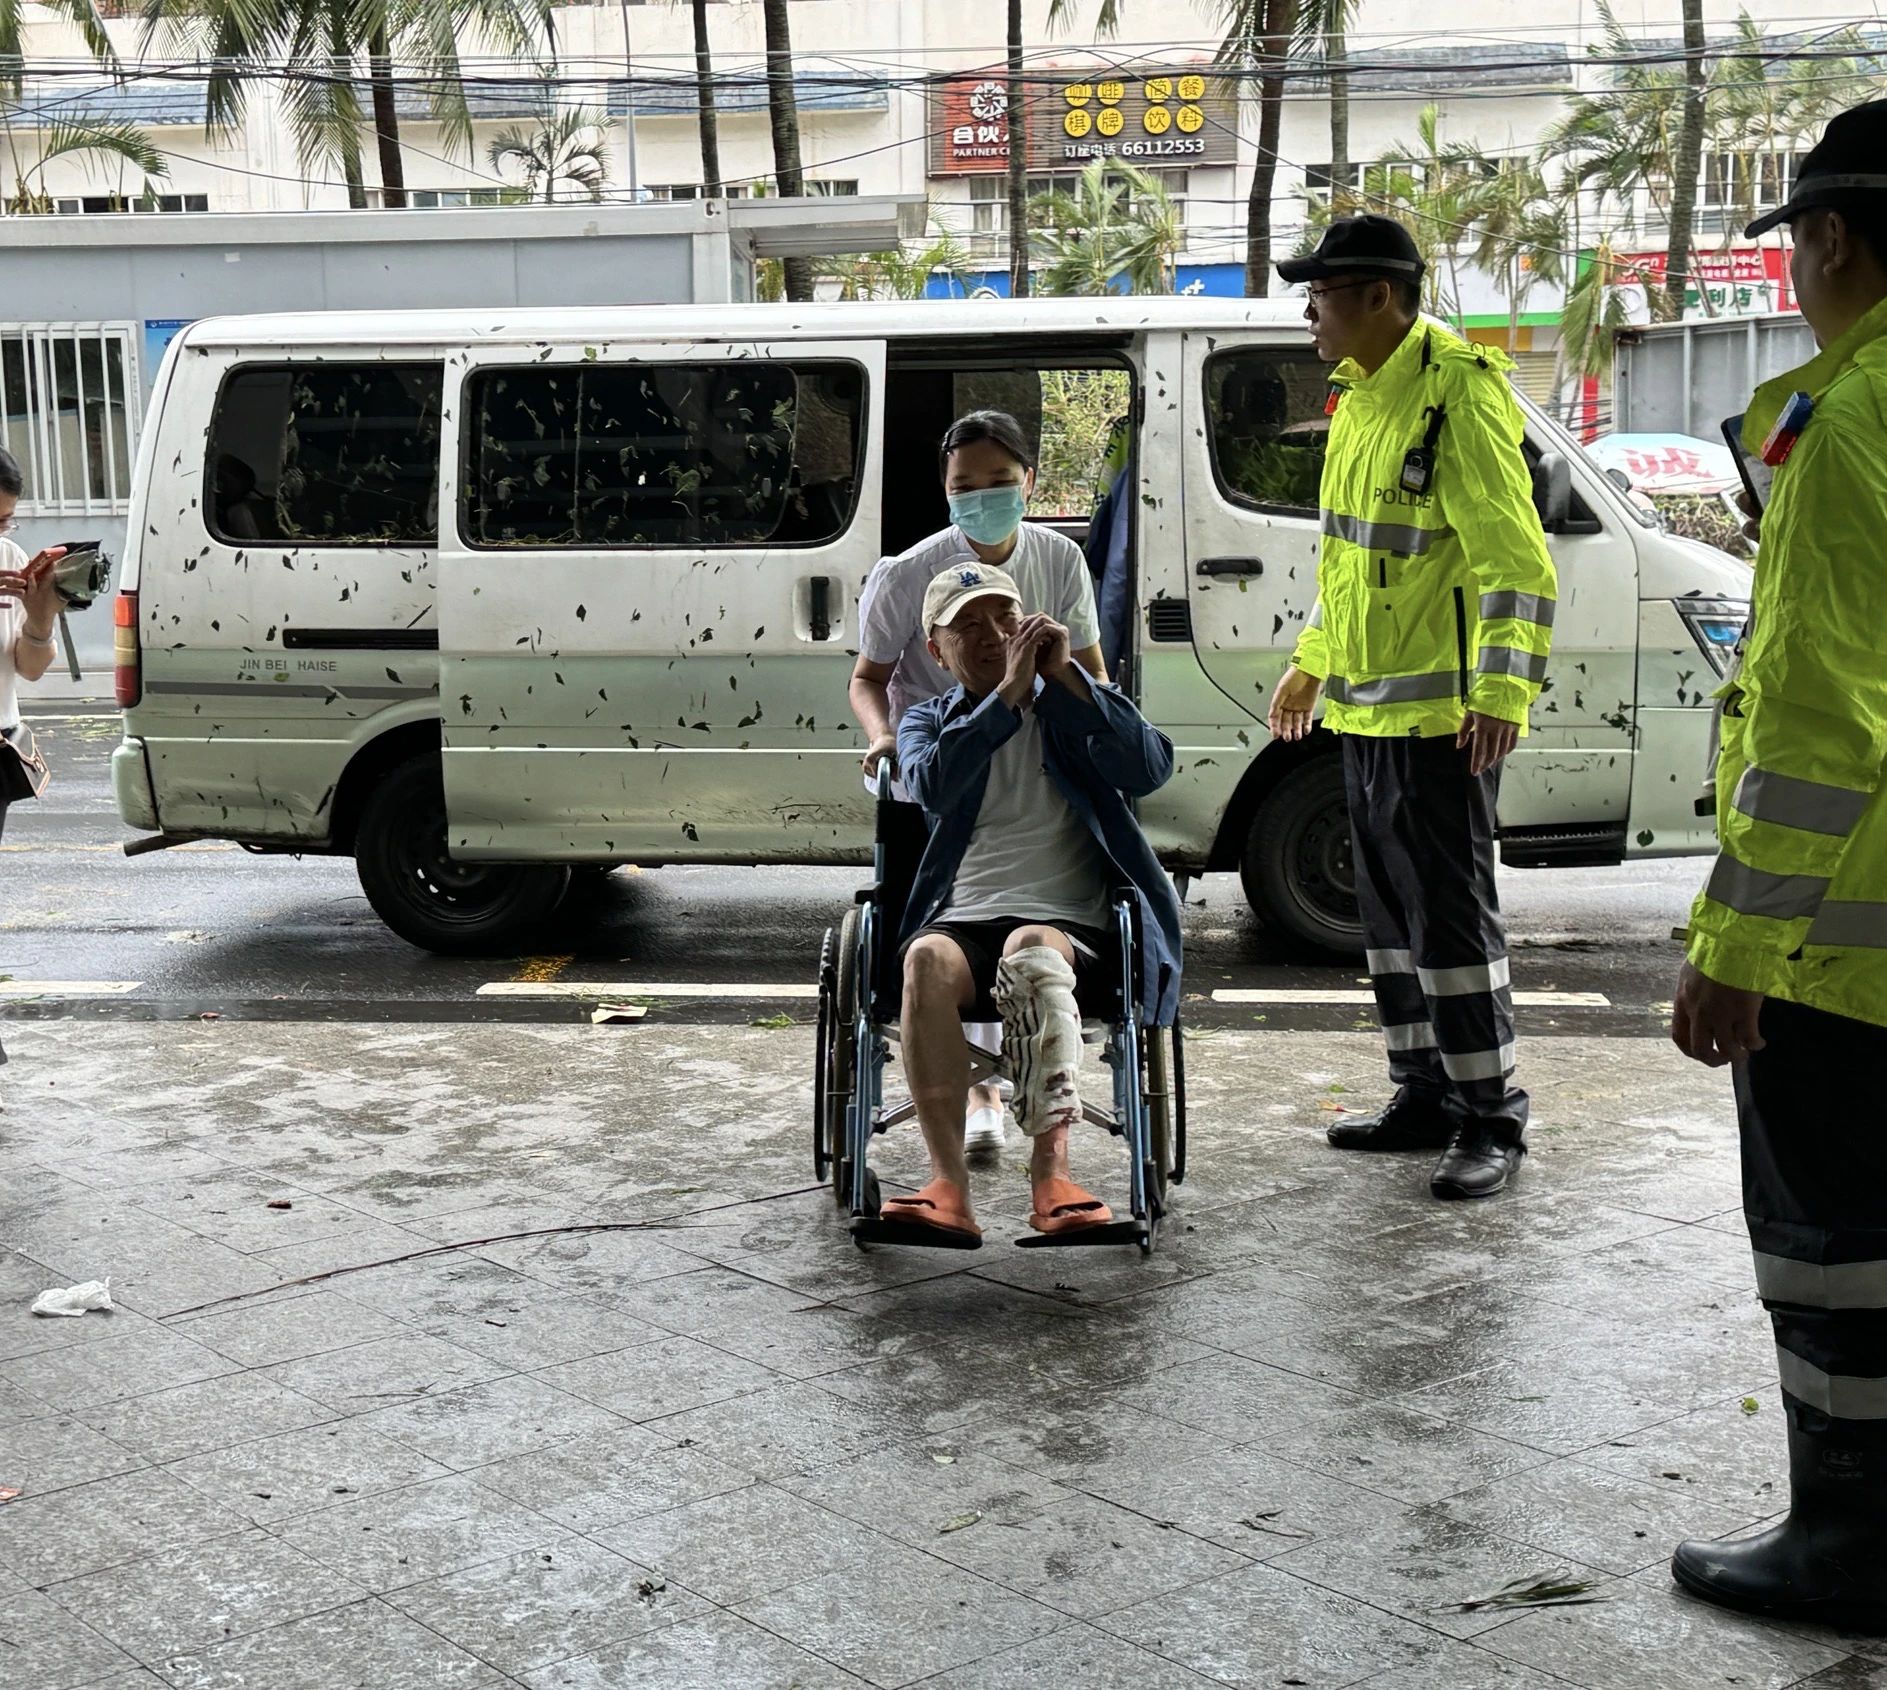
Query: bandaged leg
point(1035, 990)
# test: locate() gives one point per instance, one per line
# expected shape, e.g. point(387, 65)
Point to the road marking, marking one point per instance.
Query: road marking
point(116, 850)
point(1290, 994)
point(68, 988)
point(614, 990)
point(541, 970)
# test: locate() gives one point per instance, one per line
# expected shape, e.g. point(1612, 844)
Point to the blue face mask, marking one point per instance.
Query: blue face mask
point(989, 515)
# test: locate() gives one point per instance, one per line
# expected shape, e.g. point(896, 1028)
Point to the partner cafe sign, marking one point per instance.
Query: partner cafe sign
point(1175, 118)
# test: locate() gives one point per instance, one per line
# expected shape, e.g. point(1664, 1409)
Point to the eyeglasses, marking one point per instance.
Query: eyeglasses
point(1315, 294)
point(8, 524)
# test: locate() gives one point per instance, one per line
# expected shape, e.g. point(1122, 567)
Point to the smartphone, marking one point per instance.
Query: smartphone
point(1757, 475)
point(72, 546)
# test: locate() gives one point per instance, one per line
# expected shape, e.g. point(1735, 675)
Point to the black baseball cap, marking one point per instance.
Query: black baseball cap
point(1363, 245)
point(1850, 158)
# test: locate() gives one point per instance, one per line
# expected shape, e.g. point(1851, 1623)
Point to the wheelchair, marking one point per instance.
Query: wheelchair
point(860, 1000)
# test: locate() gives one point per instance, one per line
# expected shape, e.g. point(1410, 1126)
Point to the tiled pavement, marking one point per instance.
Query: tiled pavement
point(726, 1449)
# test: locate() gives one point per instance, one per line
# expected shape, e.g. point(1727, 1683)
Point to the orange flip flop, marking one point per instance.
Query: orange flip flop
point(1062, 1206)
point(940, 1206)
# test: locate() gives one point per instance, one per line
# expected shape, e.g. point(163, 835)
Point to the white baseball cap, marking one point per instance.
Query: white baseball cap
point(951, 589)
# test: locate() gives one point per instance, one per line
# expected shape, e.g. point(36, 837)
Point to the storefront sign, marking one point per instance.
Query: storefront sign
point(1181, 117)
point(1750, 280)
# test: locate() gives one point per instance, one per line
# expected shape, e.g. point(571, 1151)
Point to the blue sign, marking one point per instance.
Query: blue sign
point(159, 332)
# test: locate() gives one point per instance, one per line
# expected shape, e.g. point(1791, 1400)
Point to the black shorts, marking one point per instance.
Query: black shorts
point(1097, 965)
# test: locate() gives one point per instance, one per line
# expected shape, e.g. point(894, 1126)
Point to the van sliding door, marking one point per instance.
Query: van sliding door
point(648, 580)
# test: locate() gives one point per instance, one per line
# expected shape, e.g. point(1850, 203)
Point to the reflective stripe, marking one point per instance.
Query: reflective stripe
point(1464, 982)
point(1389, 962)
point(1479, 1064)
point(1382, 536)
point(1505, 660)
point(1755, 891)
point(1410, 1035)
point(1522, 607)
point(1316, 615)
point(1765, 796)
point(1841, 1395)
point(1844, 922)
point(1821, 1285)
point(1393, 689)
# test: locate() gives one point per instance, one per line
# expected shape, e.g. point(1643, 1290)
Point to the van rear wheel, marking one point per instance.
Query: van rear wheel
point(418, 890)
point(1297, 870)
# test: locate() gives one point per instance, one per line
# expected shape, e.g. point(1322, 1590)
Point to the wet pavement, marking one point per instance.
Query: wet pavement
point(719, 1446)
point(210, 927)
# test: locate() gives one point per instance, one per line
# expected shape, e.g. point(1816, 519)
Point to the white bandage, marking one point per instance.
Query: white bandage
point(1035, 990)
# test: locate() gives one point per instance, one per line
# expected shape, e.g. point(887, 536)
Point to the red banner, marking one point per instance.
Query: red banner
point(1745, 281)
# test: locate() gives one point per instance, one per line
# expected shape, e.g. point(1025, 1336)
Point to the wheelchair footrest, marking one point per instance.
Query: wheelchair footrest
point(1113, 1232)
point(873, 1229)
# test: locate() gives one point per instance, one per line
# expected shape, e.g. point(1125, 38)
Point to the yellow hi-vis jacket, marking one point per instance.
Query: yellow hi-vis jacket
point(1435, 600)
point(1796, 904)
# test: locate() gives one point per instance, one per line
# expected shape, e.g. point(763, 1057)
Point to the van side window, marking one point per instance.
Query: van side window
point(328, 454)
point(1265, 418)
point(736, 453)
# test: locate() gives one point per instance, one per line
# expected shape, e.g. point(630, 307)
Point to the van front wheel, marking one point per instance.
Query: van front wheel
point(415, 887)
point(1297, 869)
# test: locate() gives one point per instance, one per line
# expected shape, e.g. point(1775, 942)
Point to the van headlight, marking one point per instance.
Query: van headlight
point(1717, 627)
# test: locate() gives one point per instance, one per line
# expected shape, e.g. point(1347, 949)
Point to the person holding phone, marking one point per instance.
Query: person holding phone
point(29, 607)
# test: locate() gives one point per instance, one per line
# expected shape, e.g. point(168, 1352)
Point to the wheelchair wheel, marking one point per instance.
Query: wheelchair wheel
point(1158, 1092)
point(1178, 1174)
point(822, 1053)
point(839, 1052)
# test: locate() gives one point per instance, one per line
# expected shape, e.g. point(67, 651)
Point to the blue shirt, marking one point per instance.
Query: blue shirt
point(1098, 752)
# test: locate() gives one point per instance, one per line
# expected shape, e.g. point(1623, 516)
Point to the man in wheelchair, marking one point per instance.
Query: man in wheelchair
point(1024, 771)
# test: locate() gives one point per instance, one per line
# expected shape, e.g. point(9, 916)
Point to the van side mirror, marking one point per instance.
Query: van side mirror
point(1553, 491)
point(1619, 479)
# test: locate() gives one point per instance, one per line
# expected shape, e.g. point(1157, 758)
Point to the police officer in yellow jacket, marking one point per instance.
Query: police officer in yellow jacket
point(1787, 972)
point(1428, 642)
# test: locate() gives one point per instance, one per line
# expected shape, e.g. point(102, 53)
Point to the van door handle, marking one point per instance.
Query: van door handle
point(821, 607)
point(1230, 566)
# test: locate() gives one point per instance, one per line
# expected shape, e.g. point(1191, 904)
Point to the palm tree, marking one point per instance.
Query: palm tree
point(1433, 187)
point(706, 117)
point(1018, 114)
point(1520, 234)
point(1118, 223)
point(1260, 35)
point(783, 114)
point(85, 14)
point(67, 137)
point(562, 146)
point(898, 273)
point(318, 41)
point(1323, 32)
point(1687, 160)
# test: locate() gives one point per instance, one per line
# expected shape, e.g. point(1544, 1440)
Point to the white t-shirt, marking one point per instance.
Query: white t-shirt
point(1031, 857)
point(12, 620)
point(1049, 570)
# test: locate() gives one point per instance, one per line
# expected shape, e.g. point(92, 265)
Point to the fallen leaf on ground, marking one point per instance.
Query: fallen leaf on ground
point(8, 1495)
point(605, 1013)
point(944, 1460)
point(958, 1522)
point(1330, 1106)
point(1540, 1590)
point(280, 1203)
point(1261, 1522)
point(649, 1589)
point(1751, 1405)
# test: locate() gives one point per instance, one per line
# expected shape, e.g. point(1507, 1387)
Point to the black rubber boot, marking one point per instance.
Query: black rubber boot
point(1827, 1563)
point(1412, 1120)
point(1477, 1163)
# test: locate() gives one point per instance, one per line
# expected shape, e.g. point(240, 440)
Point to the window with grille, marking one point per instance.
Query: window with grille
point(68, 412)
point(93, 205)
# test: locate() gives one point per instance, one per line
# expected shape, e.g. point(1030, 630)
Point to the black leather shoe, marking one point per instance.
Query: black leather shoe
point(1826, 1564)
point(1477, 1163)
point(1412, 1120)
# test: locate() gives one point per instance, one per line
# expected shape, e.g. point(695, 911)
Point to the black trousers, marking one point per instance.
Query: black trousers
point(1423, 834)
point(1815, 1195)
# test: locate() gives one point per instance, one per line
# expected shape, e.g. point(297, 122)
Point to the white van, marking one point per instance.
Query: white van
point(479, 596)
